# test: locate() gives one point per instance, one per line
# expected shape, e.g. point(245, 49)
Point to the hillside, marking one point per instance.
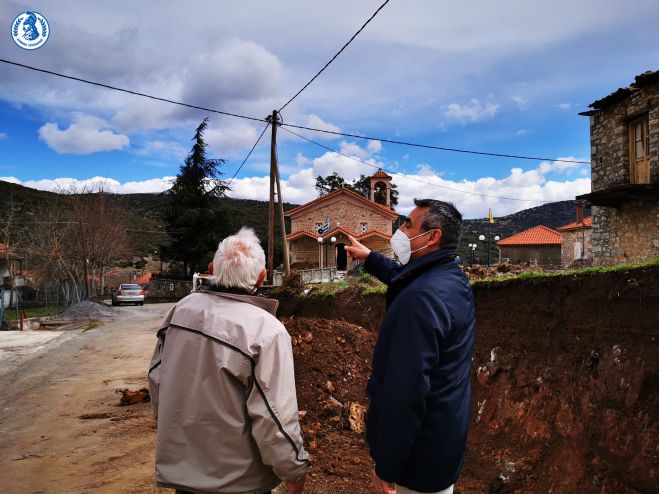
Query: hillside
point(147, 224)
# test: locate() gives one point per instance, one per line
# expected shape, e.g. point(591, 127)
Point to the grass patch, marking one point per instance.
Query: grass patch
point(592, 270)
point(10, 314)
point(328, 289)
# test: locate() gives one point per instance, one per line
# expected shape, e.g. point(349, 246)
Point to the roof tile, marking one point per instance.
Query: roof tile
point(538, 235)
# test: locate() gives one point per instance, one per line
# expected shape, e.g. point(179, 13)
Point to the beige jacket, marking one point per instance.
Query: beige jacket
point(223, 391)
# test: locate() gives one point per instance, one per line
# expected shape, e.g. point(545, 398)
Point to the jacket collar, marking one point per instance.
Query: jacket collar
point(410, 271)
point(416, 266)
point(268, 304)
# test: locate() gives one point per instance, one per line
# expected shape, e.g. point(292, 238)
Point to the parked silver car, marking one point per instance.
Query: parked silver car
point(128, 293)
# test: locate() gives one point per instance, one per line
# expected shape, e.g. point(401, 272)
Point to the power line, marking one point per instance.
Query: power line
point(343, 134)
point(248, 155)
point(144, 95)
point(438, 148)
point(412, 178)
point(337, 54)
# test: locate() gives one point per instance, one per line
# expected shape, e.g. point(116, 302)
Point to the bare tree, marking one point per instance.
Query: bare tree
point(81, 230)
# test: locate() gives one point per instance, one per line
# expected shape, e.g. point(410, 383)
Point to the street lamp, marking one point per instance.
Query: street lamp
point(325, 241)
point(489, 239)
point(320, 253)
point(472, 247)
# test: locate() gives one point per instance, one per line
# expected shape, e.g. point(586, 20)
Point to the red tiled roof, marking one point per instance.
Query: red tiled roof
point(380, 174)
point(538, 235)
point(586, 223)
point(383, 209)
point(358, 236)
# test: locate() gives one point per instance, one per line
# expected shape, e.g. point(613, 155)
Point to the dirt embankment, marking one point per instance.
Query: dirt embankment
point(565, 374)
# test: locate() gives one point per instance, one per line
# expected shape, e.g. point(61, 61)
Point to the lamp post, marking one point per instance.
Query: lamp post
point(326, 242)
point(472, 247)
point(489, 240)
point(320, 253)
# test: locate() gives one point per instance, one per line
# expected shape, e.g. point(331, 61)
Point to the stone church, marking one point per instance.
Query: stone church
point(320, 228)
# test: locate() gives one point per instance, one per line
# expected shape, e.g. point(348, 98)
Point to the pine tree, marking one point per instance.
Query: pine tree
point(192, 214)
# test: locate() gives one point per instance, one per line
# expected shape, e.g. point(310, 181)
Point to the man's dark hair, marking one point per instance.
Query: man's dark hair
point(442, 215)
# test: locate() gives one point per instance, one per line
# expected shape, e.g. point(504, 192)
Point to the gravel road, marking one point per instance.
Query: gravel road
point(61, 426)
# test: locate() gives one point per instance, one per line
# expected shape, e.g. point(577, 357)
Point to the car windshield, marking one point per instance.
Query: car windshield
point(131, 287)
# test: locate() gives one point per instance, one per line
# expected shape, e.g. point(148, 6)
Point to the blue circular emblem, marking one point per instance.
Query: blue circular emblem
point(30, 30)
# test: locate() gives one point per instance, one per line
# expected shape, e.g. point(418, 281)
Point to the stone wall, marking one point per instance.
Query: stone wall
point(629, 233)
point(568, 240)
point(544, 255)
point(169, 289)
point(609, 139)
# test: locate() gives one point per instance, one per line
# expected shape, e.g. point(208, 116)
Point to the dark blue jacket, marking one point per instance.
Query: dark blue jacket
point(420, 391)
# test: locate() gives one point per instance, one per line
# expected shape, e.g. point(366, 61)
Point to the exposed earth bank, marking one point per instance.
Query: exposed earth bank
point(565, 374)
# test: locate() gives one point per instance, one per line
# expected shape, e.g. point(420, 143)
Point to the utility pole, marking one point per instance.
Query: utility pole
point(274, 180)
point(271, 210)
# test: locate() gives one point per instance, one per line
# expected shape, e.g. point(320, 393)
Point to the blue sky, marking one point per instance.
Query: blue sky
point(499, 76)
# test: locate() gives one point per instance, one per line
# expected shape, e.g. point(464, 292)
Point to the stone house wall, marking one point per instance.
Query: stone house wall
point(609, 139)
point(568, 240)
point(629, 233)
point(305, 250)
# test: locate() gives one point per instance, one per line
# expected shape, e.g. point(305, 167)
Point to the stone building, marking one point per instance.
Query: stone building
point(336, 215)
point(538, 245)
point(624, 143)
point(576, 240)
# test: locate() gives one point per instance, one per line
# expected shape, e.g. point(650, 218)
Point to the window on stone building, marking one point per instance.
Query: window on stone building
point(577, 250)
point(639, 140)
point(319, 225)
point(363, 227)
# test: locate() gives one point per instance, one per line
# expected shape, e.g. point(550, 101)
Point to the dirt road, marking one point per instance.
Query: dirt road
point(61, 429)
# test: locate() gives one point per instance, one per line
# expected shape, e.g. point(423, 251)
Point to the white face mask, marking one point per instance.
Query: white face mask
point(402, 246)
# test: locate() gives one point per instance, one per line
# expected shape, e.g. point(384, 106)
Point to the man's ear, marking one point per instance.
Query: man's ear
point(261, 279)
point(435, 238)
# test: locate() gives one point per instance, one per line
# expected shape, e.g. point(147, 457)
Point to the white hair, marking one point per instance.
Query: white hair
point(239, 261)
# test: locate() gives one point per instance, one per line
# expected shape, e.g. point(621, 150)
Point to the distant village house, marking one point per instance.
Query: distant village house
point(576, 240)
point(538, 245)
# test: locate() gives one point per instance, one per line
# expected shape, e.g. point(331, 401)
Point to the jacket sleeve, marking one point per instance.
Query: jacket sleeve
point(414, 351)
point(272, 407)
point(381, 267)
point(156, 361)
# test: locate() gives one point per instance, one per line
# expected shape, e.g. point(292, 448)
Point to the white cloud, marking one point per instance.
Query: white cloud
point(474, 111)
point(315, 122)
point(522, 103)
point(374, 146)
point(301, 159)
point(3, 136)
point(87, 134)
point(564, 106)
point(522, 132)
point(565, 167)
point(66, 183)
point(228, 137)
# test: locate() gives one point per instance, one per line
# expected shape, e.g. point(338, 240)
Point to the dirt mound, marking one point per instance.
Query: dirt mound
point(88, 310)
point(332, 366)
point(565, 376)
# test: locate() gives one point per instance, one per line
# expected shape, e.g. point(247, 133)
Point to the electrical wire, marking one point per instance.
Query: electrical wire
point(438, 148)
point(337, 54)
point(412, 178)
point(136, 93)
point(248, 155)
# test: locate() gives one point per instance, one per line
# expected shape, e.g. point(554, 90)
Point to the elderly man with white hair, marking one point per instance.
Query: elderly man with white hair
point(222, 385)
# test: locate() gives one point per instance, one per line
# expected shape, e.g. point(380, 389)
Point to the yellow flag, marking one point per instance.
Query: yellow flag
point(490, 216)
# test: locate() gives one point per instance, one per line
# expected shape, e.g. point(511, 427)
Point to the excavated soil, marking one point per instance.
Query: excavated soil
point(565, 376)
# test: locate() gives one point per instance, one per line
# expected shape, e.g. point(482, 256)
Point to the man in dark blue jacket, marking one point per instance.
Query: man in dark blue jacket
point(420, 391)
